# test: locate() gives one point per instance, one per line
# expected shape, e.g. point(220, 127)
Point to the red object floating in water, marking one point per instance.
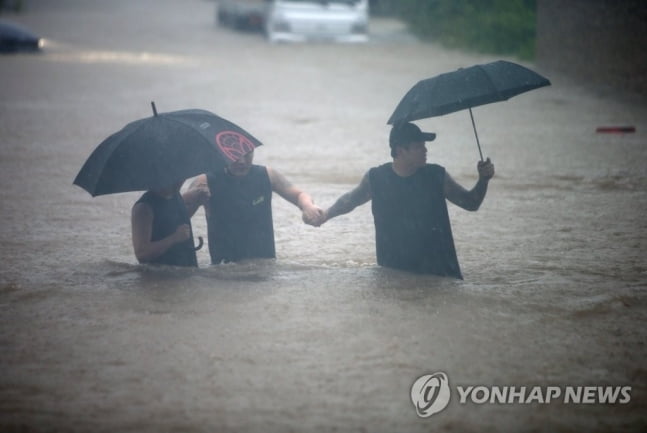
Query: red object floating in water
point(616, 129)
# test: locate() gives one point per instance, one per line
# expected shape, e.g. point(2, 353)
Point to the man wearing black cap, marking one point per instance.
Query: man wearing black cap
point(412, 228)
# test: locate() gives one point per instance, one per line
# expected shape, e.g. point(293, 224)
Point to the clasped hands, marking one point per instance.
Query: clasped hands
point(313, 215)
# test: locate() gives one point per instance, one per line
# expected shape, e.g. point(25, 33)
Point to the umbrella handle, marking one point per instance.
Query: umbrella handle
point(475, 134)
point(200, 243)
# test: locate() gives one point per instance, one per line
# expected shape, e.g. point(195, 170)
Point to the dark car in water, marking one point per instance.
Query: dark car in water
point(15, 38)
point(242, 14)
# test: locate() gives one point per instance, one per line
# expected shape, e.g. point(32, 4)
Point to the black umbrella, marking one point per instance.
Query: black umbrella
point(158, 151)
point(466, 88)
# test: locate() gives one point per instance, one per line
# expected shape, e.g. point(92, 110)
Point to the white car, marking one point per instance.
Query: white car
point(317, 20)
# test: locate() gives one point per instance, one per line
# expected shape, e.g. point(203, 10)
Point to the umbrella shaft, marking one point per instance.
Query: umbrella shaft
point(475, 134)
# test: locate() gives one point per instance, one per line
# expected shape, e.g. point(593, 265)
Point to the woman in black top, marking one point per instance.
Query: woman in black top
point(161, 227)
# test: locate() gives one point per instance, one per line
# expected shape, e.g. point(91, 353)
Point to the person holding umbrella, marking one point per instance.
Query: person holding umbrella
point(238, 208)
point(161, 227)
point(157, 154)
point(412, 227)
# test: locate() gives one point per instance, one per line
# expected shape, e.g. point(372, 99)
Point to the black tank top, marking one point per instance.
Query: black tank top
point(240, 216)
point(412, 228)
point(168, 214)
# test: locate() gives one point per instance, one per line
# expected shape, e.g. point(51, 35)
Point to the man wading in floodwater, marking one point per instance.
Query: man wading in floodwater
point(238, 207)
point(412, 228)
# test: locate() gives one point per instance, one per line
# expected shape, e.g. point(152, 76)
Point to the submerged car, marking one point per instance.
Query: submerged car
point(15, 38)
point(242, 14)
point(317, 20)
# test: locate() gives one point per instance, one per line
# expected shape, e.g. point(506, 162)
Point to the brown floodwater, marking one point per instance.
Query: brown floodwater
point(320, 339)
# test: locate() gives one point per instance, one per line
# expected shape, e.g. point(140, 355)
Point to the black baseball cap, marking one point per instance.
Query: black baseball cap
point(405, 133)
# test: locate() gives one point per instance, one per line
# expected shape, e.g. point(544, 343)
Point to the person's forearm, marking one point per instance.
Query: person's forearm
point(304, 201)
point(349, 201)
point(152, 250)
point(192, 200)
point(343, 205)
point(477, 194)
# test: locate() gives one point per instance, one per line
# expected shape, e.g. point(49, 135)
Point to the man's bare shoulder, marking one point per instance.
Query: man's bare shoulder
point(141, 209)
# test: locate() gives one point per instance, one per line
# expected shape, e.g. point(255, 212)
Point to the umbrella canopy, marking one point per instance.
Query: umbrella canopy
point(466, 88)
point(15, 38)
point(161, 150)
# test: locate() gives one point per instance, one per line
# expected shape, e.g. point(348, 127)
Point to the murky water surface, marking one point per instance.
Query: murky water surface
point(320, 339)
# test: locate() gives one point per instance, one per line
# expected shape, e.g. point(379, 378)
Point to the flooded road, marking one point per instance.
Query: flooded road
point(320, 339)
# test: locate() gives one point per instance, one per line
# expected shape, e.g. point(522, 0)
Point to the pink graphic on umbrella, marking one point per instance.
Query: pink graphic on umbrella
point(233, 144)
